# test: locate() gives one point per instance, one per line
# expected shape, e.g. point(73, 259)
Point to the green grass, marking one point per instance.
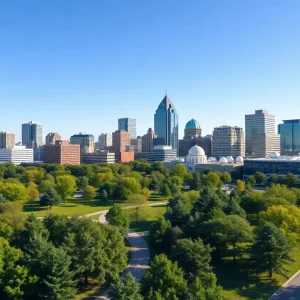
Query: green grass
point(238, 285)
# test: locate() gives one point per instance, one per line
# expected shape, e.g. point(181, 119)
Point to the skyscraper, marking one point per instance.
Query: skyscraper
point(7, 140)
point(32, 134)
point(261, 138)
point(129, 125)
point(166, 124)
point(289, 137)
point(104, 141)
point(147, 140)
point(228, 141)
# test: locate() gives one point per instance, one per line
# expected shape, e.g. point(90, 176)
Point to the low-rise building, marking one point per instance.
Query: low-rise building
point(16, 155)
point(98, 157)
point(162, 153)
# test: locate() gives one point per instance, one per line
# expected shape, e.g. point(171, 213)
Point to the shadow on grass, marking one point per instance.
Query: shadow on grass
point(141, 226)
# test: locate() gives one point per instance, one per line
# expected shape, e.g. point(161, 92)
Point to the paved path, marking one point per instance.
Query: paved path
point(290, 290)
point(140, 254)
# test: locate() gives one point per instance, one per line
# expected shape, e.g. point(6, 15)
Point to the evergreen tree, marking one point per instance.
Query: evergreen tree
point(196, 181)
point(165, 190)
point(50, 198)
point(116, 216)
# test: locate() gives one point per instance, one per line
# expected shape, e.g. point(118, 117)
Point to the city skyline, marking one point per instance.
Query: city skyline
point(81, 67)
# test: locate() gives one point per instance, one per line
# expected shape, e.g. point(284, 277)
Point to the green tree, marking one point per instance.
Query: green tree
point(214, 178)
point(116, 216)
point(164, 280)
point(14, 191)
point(125, 288)
point(251, 181)
point(292, 180)
point(103, 195)
point(50, 198)
point(270, 251)
point(273, 179)
point(65, 186)
point(180, 170)
point(137, 202)
point(240, 186)
point(34, 175)
point(193, 257)
point(45, 185)
point(226, 177)
point(196, 181)
point(33, 192)
point(89, 193)
point(165, 191)
point(260, 178)
point(278, 194)
point(82, 182)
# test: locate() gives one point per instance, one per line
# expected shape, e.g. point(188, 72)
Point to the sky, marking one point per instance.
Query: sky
point(78, 66)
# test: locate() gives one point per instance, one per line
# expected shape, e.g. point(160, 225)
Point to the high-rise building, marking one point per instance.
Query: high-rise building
point(289, 137)
point(147, 140)
point(16, 155)
point(228, 141)
point(104, 141)
point(121, 144)
point(52, 137)
point(32, 134)
point(129, 125)
point(86, 142)
point(261, 138)
point(7, 140)
point(192, 137)
point(62, 152)
point(166, 124)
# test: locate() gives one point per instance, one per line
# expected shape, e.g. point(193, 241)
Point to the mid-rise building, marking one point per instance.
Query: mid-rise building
point(228, 141)
point(120, 144)
point(147, 140)
point(289, 137)
point(192, 137)
point(86, 142)
point(104, 141)
point(129, 125)
point(7, 140)
point(102, 156)
point(62, 152)
point(52, 137)
point(137, 144)
point(261, 138)
point(166, 124)
point(32, 134)
point(16, 155)
point(162, 153)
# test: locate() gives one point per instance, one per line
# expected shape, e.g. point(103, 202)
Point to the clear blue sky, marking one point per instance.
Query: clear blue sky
point(80, 65)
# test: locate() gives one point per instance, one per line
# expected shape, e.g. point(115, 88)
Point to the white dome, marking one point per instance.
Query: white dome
point(239, 159)
point(211, 159)
point(223, 160)
point(274, 154)
point(181, 160)
point(230, 159)
point(196, 151)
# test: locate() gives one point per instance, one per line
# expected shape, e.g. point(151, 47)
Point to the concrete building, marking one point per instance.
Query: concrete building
point(62, 152)
point(228, 141)
point(192, 137)
point(7, 140)
point(32, 134)
point(289, 137)
point(137, 144)
point(16, 155)
point(121, 144)
point(52, 137)
point(162, 153)
point(86, 142)
point(147, 140)
point(166, 124)
point(275, 164)
point(102, 156)
point(261, 138)
point(104, 141)
point(129, 125)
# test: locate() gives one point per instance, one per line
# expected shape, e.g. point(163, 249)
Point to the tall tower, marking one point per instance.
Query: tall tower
point(7, 140)
point(129, 125)
point(166, 124)
point(32, 135)
point(289, 137)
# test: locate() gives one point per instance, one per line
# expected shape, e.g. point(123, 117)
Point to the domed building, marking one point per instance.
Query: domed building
point(195, 156)
point(192, 137)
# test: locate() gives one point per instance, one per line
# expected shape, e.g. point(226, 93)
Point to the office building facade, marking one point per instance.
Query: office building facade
point(86, 142)
point(7, 140)
point(166, 124)
point(162, 153)
point(147, 140)
point(32, 135)
point(289, 133)
point(228, 141)
point(129, 125)
point(121, 144)
point(102, 156)
point(52, 137)
point(16, 155)
point(104, 141)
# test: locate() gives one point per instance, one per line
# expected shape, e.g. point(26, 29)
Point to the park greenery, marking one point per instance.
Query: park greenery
point(204, 231)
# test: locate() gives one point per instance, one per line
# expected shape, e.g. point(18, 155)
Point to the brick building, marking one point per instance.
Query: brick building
point(120, 144)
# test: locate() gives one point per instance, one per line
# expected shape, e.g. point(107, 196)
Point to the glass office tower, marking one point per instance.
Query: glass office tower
point(289, 137)
point(166, 124)
point(129, 125)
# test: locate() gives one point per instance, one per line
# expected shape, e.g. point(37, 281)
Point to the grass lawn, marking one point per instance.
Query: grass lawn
point(238, 285)
point(79, 206)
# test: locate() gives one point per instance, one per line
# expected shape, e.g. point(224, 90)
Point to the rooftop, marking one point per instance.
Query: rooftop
point(192, 124)
point(277, 159)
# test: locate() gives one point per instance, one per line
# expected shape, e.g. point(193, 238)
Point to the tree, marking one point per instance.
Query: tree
point(165, 191)
point(214, 178)
point(33, 192)
point(82, 182)
point(253, 203)
point(196, 181)
point(89, 193)
point(136, 202)
point(270, 251)
point(193, 257)
point(103, 195)
point(50, 198)
point(116, 216)
point(45, 185)
point(273, 179)
point(251, 181)
point(292, 180)
point(146, 192)
point(125, 288)
point(260, 178)
point(34, 175)
point(180, 170)
point(65, 186)
point(240, 186)
point(278, 194)
point(14, 191)
point(164, 280)
point(226, 177)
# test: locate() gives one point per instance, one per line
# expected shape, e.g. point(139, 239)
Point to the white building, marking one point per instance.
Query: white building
point(16, 155)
